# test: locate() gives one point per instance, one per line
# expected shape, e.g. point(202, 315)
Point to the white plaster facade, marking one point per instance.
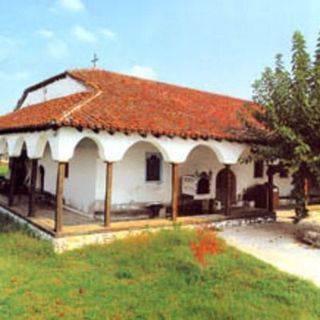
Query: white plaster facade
point(53, 90)
point(87, 153)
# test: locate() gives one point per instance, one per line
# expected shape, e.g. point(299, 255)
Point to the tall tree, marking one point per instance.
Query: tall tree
point(288, 117)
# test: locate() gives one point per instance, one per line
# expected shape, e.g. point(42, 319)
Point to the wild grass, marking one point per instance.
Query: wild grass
point(151, 276)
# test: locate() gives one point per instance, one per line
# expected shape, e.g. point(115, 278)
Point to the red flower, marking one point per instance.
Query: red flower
point(207, 244)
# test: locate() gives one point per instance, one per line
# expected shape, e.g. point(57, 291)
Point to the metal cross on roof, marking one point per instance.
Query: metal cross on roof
point(94, 60)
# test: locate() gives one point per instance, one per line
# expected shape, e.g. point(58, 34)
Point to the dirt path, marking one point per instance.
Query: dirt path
point(275, 243)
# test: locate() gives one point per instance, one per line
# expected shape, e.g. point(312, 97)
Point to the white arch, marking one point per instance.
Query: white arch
point(15, 143)
point(226, 152)
point(35, 144)
point(179, 149)
point(213, 151)
point(148, 141)
point(115, 146)
point(64, 142)
point(72, 144)
point(230, 152)
point(112, 147)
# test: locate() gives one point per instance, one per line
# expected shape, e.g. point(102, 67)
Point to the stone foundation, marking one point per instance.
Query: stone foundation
point(71, 242)
point(75, 242)
point(240, 222)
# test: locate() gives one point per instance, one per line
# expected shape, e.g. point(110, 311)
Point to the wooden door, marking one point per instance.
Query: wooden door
point(221, 183)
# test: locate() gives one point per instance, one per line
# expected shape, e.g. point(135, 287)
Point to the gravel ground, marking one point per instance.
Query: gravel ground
point(275, 243)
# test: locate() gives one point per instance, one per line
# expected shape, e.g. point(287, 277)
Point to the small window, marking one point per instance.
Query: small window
point(66, 171)
point(258, 169)
point(153, 166)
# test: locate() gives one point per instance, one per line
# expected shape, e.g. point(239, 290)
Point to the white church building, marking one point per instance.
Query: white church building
point(107, 147)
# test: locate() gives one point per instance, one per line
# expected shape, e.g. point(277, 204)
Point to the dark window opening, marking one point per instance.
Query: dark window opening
point(153, 167)
point(258, 169)
point(203, 186)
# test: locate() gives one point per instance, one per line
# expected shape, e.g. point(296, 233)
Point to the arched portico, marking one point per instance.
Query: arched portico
point(76, 180)
point(115, 153)
point(198, 174)
point(141, 179)
point(23, 171)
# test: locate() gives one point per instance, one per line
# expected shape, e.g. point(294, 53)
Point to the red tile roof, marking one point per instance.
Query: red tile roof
point(132, 105)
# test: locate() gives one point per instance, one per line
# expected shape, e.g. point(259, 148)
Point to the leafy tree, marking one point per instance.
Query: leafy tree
point(286, 117)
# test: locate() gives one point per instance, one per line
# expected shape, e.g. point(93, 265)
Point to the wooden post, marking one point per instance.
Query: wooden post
point(306, 190)
point(227, 195)
point(175, 191)
point(108, 194)
point(270, 190)
point(32, 188)
point(59, 197)
point(13, 172)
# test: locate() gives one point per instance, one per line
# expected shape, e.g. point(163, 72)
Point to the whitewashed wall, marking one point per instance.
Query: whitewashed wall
point(57, 89)
point(284, 185)
point(50, 167)
point(245, 179)
point(129, 184)
point(80, 185)
point(202, 159)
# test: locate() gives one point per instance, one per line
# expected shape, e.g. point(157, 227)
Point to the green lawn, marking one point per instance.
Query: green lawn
point(146, 277)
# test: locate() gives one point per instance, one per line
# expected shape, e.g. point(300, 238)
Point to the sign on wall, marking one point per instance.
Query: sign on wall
point(189, 185)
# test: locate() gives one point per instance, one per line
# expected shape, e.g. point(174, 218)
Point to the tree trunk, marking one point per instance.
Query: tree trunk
point(298, 192)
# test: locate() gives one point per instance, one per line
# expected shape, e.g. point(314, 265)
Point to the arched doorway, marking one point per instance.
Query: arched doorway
point(221, 183)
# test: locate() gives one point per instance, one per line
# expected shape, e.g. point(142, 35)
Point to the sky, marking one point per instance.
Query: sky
point(219, 46)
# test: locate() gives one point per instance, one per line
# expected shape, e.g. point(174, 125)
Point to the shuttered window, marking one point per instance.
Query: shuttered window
point(153, 166)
